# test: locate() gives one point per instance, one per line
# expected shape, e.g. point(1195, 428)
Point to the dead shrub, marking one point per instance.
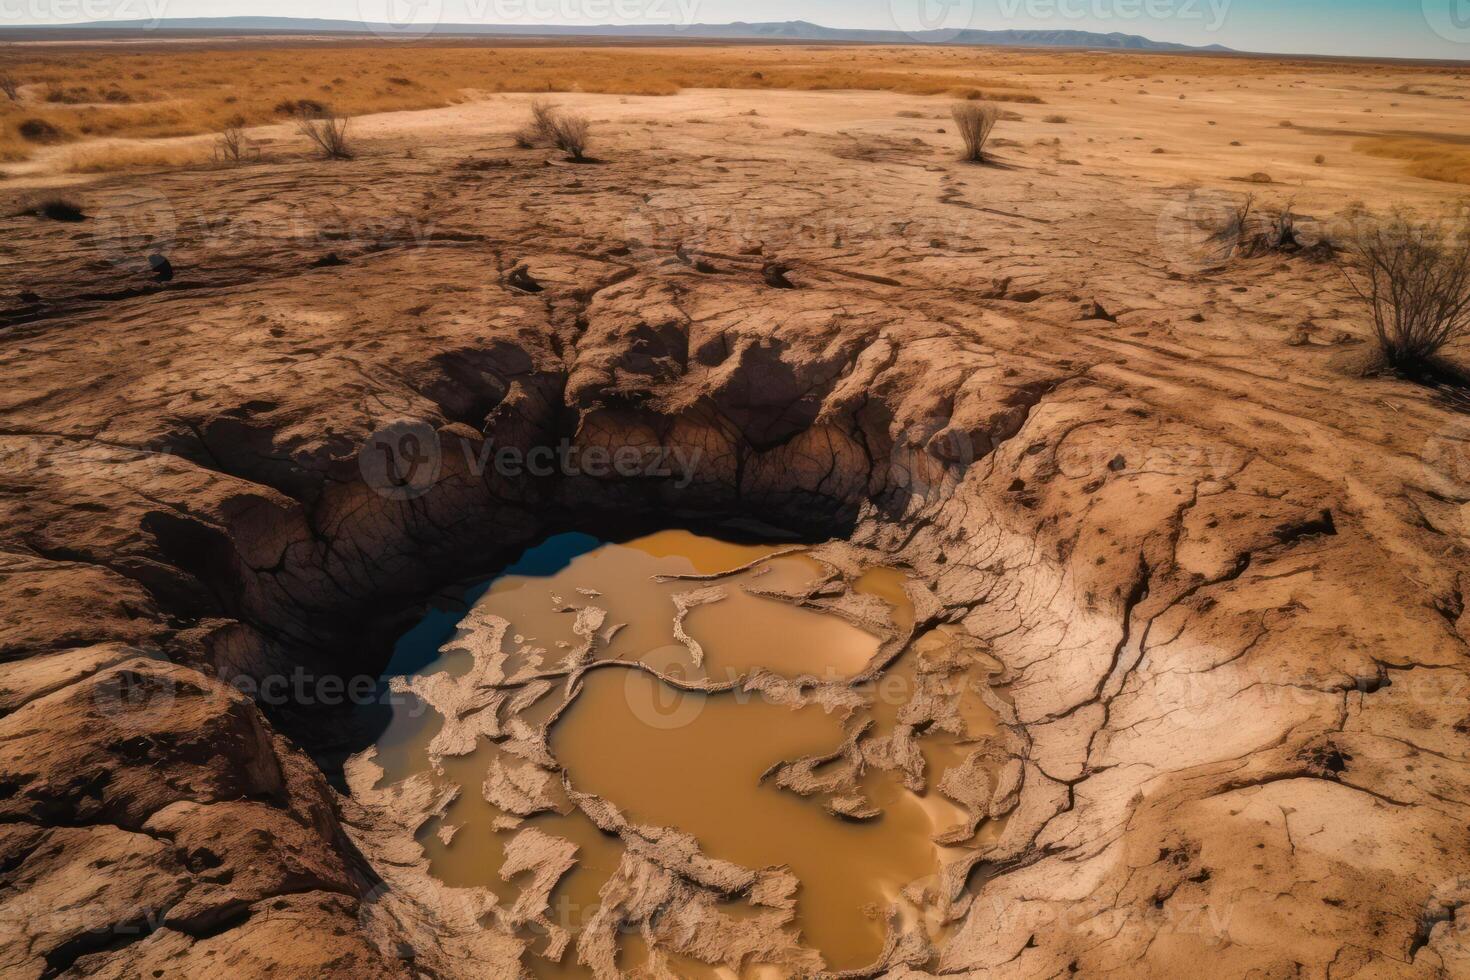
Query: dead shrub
point(1415, 282)
point(570, 134)
point(1248, 233)
point(543, 114)
point(10, 86)
point(39, 131)
point(328, 131)
point(975, 120)
point(550, 126)
point(52, 209)
point(1055, 119)
point(295, 107)
point(232, 145)
point(540, 130)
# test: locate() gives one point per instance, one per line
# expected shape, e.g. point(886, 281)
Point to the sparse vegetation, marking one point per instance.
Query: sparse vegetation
point(203, 92)
point(549, 126)
point(570, 134)
point(1055, 119)
point(110, 157)
point(10, 86)
point(542, 115)
point(975, 120)
point(1230, 237)
point(1430, 159)
point(39, 131)
point(52, 209)
point(1248, 231)
point(328, 131)
point(231, 145)
point(1415, 282)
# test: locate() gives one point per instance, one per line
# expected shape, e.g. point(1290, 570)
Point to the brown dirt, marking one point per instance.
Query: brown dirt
point(1221, 571)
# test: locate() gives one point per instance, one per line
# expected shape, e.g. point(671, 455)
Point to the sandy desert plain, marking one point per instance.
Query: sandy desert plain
point(1169, 570)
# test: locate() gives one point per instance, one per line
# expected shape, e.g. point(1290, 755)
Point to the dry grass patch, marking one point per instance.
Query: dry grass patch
point(975, 120)
point(1432, 160)
point(112, 157)
point(182, 90)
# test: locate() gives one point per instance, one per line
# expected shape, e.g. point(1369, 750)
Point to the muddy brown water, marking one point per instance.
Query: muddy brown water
point(683, 759)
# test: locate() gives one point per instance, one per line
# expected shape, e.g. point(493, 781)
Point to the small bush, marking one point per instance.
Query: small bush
point(1416, 286)
point(10, 87)
point(974, 120)
point(1055, 119)
point(549, 126)
point(39, 131)
point(543, 117)
point(51, 208)
point(570, 134)
point(328, 131)
point(296, 107)
point(232, 145)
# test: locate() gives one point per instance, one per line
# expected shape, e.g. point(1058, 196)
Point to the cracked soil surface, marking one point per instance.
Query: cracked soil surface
point(1221, 573)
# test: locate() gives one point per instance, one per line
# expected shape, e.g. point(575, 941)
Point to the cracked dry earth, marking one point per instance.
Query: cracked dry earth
point(1218, 575)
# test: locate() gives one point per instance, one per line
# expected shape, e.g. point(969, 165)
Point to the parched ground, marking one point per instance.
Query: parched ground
point(1222, 569)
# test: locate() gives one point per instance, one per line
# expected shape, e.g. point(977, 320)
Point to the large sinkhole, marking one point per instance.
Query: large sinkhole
point(713, 754)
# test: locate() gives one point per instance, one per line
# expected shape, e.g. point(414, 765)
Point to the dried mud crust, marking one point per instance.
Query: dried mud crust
point(665, 888)
point(1223, 583)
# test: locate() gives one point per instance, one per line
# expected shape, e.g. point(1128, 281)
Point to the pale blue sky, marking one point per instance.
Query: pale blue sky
point(1403, 28)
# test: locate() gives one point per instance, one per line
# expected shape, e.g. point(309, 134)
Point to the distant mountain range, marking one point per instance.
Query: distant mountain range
point(792, 30)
